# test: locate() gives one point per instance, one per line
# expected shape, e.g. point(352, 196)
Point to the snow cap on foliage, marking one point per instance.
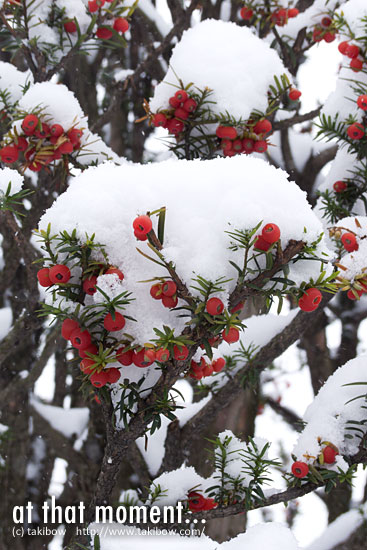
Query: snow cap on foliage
point(269, 536)
point(176, 485)
point(7, 175)
point(212, 54)
point(328, 415)
point(353, 12)
point(13, 81)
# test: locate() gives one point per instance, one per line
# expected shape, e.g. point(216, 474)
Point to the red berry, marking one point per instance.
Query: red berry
point(231, 336)
point(156, 291)
point(329, 454)
point(56, 130)
point(104, 33)
point(89, 285)
point(270, 233)
point(261, 244)
point(248, 145)
point(246, 13)
point(159, 120)
point(355, 131)
point(74, 135)
point(354, 295)
point(226, 132)
point(218, 364)
point(92, 349)
point(86, 365)
point(181, 95)
point(125, 357)
point(329, 37)
point(237, 145)
point(66, 148)
point(140, 235)
point(260, 146)
point(67, 327)
point(43, 276)
point(99, 379)
point(174, 102)
point(190, 105)
point(238, 307)
point(149, 355)
point(113, 375)
point(293, 12)
point(350, 242)
point(44, 132)
point(362, 102)
point(59, 274)
point(143, 224)
point(80, 339)
point(29, 124)
point(94, 5)
point(181, 113)
point(198, 367)
point(139, 359)
point(356, 64)
point(115, 322)
point(180, 353)
point(35, 166)
point(343, 47)
point(9, 154)
point(263, 127)
point(175, 126)
point(339, 186)
point(21, 144)
point(170, 301)
point(121, 24)
point(214, 306)
point(299, 469)
point(294, 94)
point(208, 370)
point(114, 270)
point(70, 27)
point(352, 51)
point(310, 300)
point(169, 288)
point(317, 34)
point(196, 501)
point(226, 145)
point(326, 22)
point(162, 355)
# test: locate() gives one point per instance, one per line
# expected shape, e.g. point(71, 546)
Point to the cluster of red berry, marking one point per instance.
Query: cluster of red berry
point(327, 456)
point(349, 241)
point(142, 225)
point(251, 139)
point(167, 292)
point(198, 502)
point(174, 118)
point(270, 234)
point(354, 53)
point(357, 131)
point(204, 369)
point(278, 17)
point(41, 143)
point(325, 30)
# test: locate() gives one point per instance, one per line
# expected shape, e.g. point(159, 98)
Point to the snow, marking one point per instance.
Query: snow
point(208, 55)
point(13, 82)
point(66, 421)
point(147, 7)
point(7, 175)
point(175, 485)
point(6, 319)
point(271, 536)
point(328, 415)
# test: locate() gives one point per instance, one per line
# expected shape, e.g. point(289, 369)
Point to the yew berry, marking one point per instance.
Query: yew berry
point(310, 300)
point(170, 301)
point(104, 33)
point(149, 355)
point(43, 276)
point(94, 5)
point(139, 359)
point(80, 339)
point(70, 27)
point(169, 288)
point(99, 379)
point(180, 353)
point(214, 306)
point(329, 454)
point(89, 285)
point(226, 144)
point(59, 274)
point(74, 135)
point(263, 127)
point(174, 102)
point(190, 105)
point(196, 375)
point(208, 370)
point(86, 365)
point(356, 64)
point(293, 12)
point(237, 145)
point(231, 335)
point(56, 130)
point(35, 166)
point(226, 132)
point(175, 126)
point(339, 186)
point(44, 132)
point(162, 355)
point(115, 322)
point(198, 367)
point(181, 95)
point(181, 113)
point(21, 143)
point(238, 307)
point(218, 364)
point(159, 120)
point(355, 131)
point(121, 25)
point(143, 224)
point(294, 94)
point(67, 327)
point(354, 294)
point(113, 375)
point(196, 501)
point(156, 291)
point(246, 13)
point(124, 356)
point(317, 34)
point(343, 47)
point(248, 145)
point(140, 235)
point(92, 350)
point(326, 22)
point(349, 242)
point(66, 148)
point(261, 244)
point(362, 102)
point(115, 271)
point(329, 37)
point(352, 51)
point(270, 233)
point(260, 146)
point(9, 154)
point(299, 469)
point(229, 153)
point(29, 124)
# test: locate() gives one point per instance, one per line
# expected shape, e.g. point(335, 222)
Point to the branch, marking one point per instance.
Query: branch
point(296, 119)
